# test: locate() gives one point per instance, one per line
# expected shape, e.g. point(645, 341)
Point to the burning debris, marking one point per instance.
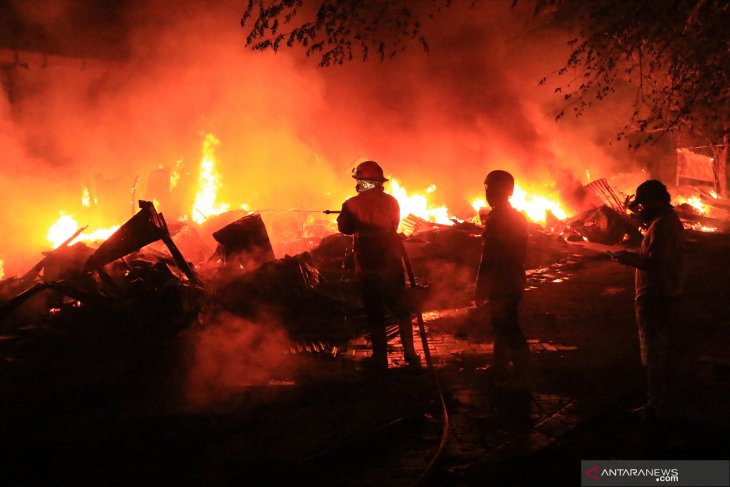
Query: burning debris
point(244, 243)
point(139, 272)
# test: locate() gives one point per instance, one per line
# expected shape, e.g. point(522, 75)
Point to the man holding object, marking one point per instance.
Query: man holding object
point(658, 285)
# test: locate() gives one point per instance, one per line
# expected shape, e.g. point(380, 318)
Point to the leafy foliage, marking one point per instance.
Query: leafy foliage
point(675, 52)
point(338, 30)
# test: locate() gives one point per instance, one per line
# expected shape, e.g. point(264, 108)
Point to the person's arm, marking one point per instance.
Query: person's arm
point(481, 292)
point(633, 259)
point(346, 222)
point(489, 247)
point(659, 247)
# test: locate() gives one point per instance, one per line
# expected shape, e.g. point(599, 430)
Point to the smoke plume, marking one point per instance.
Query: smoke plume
point(130, 87)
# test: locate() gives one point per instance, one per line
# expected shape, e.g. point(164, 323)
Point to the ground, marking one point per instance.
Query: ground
point(331, 423)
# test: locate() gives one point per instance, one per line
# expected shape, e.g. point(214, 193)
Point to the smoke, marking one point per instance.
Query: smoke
point(229, 354)
point(140, 86)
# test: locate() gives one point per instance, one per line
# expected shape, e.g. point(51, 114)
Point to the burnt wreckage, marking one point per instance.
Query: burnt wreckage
point(125, 303)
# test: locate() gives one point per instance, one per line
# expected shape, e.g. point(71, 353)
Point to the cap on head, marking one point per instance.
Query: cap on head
point(369, 170)
point(651, 191)
point(501, 181)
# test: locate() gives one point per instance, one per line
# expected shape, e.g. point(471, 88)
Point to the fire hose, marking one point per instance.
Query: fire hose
point(426, 351)
point(429, 363)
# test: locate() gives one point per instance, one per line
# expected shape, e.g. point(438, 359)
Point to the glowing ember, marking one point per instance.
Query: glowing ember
point(85, 198)
point(2, 271)
point(418, 205)
point(66, 225)
point(534, 206)
point(714, 195)
point(699, 227)
point(175, 175)
point(205, 204)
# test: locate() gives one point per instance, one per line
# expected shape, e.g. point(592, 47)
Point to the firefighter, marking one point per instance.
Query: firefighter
point(501, 281)
point(373, 217)
point(658, 285)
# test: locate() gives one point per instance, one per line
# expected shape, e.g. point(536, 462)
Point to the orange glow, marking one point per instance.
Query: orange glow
point(209, 182)
point(418, 204)
point(62, 229)
point(66, 225)
point(695, 202)
point(2, 271)
point(533, 205)
point(85, 198)
point(699, 227)
point(175, 175)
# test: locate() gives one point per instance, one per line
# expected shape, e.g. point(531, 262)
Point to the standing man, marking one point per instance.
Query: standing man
point(501, 281)
point(373, 217)
point(657, 281)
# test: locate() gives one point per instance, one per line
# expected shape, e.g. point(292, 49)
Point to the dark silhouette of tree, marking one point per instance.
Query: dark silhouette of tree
point(337, 30)
point(675, 53)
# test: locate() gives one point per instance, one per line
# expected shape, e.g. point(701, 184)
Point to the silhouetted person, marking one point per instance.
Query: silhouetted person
point(373, 217)
point(658, 287)
point(501, 281)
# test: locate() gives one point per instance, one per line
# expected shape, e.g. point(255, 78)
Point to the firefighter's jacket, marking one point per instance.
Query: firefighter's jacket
point(502, 268)
point(373, 217)
point(658, 269)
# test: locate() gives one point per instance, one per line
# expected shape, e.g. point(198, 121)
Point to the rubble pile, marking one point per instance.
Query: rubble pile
point(117, 310)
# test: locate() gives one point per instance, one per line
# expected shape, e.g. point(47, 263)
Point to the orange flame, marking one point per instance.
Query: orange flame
point(85, 197)
point(533, 205)
point(66, 225)
point(2, 271)
point(699, 227)
point(418, 204)
point(695, 202)
point(205, 204)
point(175, 175)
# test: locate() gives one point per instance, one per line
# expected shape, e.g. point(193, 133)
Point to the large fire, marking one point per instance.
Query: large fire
point(418, 204)
point(535, 206)
point(209, 182)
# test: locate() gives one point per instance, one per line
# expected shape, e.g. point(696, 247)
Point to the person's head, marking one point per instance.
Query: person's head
point(498, 186)
point(369, 175)
point(651, 197)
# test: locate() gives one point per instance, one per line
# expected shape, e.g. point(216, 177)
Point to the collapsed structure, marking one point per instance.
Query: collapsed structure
point(137, 292)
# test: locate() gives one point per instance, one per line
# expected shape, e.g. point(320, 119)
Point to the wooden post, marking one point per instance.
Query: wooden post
point(720, 154)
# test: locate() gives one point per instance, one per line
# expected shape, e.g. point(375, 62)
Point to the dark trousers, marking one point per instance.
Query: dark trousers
point(509, 341)
point(655, 322)
point(381, 291)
